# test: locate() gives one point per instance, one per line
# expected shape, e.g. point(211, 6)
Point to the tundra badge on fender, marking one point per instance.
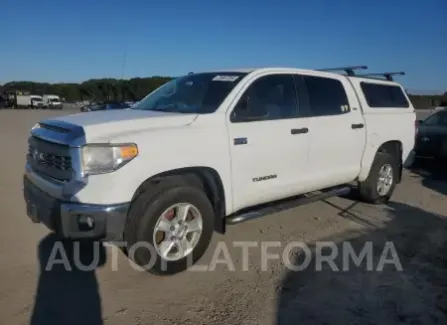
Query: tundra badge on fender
point(264, 178)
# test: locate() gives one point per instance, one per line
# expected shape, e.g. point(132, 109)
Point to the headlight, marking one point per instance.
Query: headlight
point(105, 158)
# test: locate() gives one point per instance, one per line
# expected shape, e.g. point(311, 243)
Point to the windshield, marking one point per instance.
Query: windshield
point(53, 100)
point(195, 93)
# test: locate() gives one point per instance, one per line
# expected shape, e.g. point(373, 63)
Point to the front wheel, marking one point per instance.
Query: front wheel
point(168, 232)
point(381, 181)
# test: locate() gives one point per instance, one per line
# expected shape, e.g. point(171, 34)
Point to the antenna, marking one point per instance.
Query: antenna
point(349, 70)
point(388, 75)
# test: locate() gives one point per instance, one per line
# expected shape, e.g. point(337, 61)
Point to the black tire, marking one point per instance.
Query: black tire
point(368, 188)
point(143, 216)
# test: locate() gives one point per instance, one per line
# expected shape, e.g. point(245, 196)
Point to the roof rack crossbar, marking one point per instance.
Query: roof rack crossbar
point(349, 70)
point(388, 75)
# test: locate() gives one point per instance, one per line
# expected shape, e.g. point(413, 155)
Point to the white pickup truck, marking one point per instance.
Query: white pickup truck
point(210, 149)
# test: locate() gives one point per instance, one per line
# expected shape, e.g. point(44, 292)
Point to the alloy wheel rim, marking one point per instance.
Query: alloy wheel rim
point(177, 231)
point(385, 180)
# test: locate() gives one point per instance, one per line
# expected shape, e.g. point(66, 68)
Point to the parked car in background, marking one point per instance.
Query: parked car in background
point(431, 140)
point(104, 106)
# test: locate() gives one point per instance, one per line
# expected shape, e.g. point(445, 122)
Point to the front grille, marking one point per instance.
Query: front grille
point(50, 159)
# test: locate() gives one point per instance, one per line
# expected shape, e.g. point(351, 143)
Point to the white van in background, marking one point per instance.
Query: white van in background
point(36, 101)
point(52, 102)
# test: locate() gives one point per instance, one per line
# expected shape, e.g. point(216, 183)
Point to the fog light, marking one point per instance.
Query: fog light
point(85, 222)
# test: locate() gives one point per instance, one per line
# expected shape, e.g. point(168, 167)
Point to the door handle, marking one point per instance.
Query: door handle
point(357, 126)
point(239, 141)
point(299, 131)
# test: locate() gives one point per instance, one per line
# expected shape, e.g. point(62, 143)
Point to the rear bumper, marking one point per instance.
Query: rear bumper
point(75, 220)
point(431, 147)
point(428, 152)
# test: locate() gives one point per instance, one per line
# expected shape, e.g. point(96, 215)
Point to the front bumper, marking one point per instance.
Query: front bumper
point(75, 220)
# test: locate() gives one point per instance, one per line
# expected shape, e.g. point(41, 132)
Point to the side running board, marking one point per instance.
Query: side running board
point(286, 204)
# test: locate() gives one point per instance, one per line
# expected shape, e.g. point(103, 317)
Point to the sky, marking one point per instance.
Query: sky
point(72, 41)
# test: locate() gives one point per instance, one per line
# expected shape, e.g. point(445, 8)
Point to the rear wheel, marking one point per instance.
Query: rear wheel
point(169, 231)
point(381, 181)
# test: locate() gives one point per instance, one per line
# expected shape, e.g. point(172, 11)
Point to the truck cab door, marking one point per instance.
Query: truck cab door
point(268, 142)
point(336, 130)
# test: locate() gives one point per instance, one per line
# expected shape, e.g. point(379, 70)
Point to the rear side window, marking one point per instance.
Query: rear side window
point(326, 96)
point(378, 95)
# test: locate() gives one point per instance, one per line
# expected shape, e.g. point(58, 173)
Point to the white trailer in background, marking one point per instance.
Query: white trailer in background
point(23, 101)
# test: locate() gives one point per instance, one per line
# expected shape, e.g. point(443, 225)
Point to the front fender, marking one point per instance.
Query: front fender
point(161, 152)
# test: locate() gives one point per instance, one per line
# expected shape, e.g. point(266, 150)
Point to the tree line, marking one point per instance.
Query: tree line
point(136, 88)
point(94, 89)
point(428, 101)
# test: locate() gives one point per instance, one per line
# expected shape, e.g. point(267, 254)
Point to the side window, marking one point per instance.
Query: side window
point(380, 95)
point(326, 96)
point(267, 98)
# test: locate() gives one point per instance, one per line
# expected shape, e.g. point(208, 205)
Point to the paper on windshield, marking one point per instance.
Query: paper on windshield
point(225, 78)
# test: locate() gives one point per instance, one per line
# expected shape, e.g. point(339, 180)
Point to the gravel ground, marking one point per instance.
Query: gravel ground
point(413, 226)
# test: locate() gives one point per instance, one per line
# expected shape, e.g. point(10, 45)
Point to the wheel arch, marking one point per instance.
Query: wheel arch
point(393, 147)
point(203, 177)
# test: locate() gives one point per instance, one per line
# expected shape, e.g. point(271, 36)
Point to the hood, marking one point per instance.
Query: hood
point(100, 125)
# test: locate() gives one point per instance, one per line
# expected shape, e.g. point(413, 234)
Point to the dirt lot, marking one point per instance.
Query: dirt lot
point(415, 222)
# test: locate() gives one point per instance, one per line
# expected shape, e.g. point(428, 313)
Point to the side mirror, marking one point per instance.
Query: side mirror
point(419, 121)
